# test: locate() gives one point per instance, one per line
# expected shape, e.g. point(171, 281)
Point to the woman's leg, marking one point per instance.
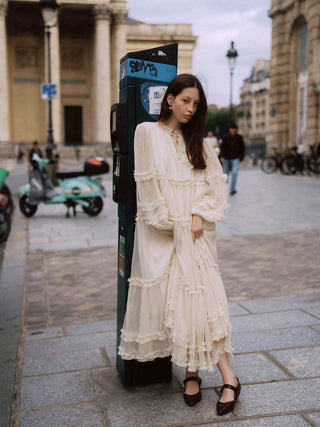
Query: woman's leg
point(228, 378)
point(192, 387)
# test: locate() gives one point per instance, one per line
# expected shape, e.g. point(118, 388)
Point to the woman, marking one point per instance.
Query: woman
point(177, 304)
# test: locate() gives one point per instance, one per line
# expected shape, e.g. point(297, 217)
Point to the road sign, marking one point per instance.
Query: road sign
point(49, 91)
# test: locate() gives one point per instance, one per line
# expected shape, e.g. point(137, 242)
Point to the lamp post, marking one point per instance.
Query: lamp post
point(231, 55)
point(49, 14)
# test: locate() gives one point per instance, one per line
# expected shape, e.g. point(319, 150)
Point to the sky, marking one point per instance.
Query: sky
point(216, 23)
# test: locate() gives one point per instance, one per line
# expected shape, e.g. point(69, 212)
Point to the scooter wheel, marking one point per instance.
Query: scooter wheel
point(25, 207)
point(5, 225)
point(96, 206)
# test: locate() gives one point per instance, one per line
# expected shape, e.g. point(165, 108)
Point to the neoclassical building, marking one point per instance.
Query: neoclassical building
point(295, 74)
point(253, 113)
point(87, 42)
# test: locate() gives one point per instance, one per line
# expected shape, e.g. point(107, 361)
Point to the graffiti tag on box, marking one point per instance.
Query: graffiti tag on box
point(147, 67)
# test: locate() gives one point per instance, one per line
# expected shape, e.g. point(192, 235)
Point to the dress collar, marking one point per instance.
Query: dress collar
point(169, 129)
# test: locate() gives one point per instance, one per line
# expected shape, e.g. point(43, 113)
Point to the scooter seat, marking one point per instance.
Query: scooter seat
point(73, 174)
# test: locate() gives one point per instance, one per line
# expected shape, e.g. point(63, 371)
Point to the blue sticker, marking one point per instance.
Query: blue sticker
point(147, 70)
point(151, 98)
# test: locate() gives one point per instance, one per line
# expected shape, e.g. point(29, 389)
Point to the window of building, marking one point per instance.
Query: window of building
point(302, 55)
point(302, 86)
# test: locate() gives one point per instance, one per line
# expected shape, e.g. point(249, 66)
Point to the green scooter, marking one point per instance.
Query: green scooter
point(6, 206)
point(75, 188)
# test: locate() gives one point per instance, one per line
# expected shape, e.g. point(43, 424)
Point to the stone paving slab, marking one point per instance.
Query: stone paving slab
point(63, 362)
point(303, 363)
point(251, 368)
point(278, 398)
point(56, 389)
point(165, 409)
point(65, 344)
point(95, 327)
point(315, 417)
point(282, 303)
point(43, 334)
point(84, 415)
point(275, 320)
point(269, 204)
point(275, 339)
point(283, 421)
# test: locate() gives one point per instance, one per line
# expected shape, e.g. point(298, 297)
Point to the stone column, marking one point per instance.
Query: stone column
point(56, 79)
point(119, 42)
point(101, 74)
point(4, 98)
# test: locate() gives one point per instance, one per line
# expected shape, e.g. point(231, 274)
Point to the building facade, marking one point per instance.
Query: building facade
point(294, 74)
point(253, 113)
point(87, 40)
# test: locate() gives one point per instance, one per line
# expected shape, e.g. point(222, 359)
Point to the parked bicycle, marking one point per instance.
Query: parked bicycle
point(313, 159)
point(271, 164)
point(293, 162)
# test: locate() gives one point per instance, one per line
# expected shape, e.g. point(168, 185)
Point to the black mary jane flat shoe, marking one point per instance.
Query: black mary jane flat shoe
point(192, 399)
point(224, 408)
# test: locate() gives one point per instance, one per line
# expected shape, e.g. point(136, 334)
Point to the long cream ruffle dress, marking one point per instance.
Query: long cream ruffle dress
point(177, 303)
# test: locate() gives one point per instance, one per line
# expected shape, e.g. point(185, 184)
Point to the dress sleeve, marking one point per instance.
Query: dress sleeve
point(214, 202)
point(152, 207)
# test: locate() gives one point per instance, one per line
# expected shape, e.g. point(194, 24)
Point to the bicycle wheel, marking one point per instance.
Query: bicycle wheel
point(313, 165)
point(289, 165)
point(268, 165)
point(5, 225)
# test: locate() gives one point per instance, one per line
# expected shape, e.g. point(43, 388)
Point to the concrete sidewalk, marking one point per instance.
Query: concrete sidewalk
point(58, 308)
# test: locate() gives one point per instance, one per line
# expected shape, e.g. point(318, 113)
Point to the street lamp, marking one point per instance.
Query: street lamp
point(49, 14)
point(231, 54)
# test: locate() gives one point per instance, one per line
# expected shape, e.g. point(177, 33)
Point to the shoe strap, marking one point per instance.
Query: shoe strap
point(198, 379)
point(231, 387)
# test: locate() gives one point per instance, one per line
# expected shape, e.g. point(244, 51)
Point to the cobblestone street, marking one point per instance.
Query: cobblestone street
point(75, 286)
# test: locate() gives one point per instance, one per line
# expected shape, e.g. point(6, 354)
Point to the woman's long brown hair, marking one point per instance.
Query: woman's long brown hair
point(193, 131)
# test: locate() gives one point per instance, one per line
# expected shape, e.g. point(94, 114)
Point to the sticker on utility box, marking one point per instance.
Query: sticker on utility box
point(151, 97)
point(122, 241)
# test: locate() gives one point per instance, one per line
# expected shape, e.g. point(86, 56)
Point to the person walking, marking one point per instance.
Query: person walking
point(231, 154)
point(20, 151)
point(213, 141)
point(177, 304)
point(34, 150)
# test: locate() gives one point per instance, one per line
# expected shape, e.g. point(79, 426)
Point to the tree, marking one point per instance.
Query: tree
point(218, 122)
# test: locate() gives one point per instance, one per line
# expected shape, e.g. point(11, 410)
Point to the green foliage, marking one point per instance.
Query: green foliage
point(218, 122)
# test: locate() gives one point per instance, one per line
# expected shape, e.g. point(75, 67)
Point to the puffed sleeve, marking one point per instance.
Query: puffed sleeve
point(152, 207)
point(214, 202)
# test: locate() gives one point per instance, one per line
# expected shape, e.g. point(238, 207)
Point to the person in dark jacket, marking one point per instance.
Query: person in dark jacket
point(34, 150)
point(231, 154)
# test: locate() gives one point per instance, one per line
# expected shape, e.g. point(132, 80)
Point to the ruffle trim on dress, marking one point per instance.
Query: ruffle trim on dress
point(147, 358)
point(149, 176)
point(220, 176)
point(158, 219)
point(185, 284)
point(204, 361)
point(148, 283)
point(134, 338)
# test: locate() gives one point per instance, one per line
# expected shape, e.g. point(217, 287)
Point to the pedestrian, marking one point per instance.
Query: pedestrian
point(19, 151)
point(177, 304)
point(231, 154)
point(213, 141)
point(34, 150)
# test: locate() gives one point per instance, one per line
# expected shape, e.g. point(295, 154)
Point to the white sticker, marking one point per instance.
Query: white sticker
point(156, 94)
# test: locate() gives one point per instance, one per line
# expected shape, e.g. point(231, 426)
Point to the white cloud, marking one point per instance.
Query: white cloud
point(216, 23)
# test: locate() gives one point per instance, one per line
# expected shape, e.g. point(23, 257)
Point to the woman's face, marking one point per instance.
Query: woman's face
point(184, 105)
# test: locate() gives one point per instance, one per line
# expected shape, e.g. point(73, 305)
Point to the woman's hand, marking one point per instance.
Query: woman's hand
point(196, 227)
